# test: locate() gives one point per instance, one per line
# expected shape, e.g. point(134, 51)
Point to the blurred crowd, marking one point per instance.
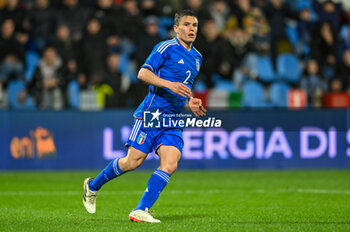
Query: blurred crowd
point(58, 54)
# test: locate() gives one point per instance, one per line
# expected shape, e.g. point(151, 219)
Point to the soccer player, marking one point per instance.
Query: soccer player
point(170, 71)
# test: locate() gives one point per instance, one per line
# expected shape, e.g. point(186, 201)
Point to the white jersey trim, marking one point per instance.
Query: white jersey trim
point(165, 45)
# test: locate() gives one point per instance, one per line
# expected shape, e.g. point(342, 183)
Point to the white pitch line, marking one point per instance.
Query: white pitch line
point(324, 191)
point(213, 191)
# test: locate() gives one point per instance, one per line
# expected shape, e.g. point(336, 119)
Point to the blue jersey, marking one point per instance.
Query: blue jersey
point(171, 61)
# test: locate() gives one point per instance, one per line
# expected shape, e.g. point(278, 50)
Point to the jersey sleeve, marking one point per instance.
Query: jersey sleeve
point(156, 59)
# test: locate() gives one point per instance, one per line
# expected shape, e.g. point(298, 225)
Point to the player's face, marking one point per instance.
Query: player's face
point(187, 29)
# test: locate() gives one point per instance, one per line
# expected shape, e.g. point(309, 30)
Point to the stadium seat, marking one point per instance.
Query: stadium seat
point(250, 62)
point(73, 90)
point(292, 33)
point(253, 94)
point(302, 4)
point(344, 32)
point(288, 67)
point(279, 94)
point(266, 71)
point(13, 89)
point(32, 60)
point(200, 86)
point(224, 85)
point(305, 50)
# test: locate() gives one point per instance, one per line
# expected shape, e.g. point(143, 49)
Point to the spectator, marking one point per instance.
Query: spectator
point(13, 10)
point(76, 81)
point(48, 84)
point(240, 8)
point(11, 53)
point(342, 73)
point(41, 23)
point(132, 20)
point(255, 24)
point(277, 11)
point(93, 49)
point(306, 26)
point(147, 40)
point(17, 12)
point(329, 11)
point(198, 7)
point(212, 46)
point(313, 83)
point(260, 3)
point(109, 16)
point(220, 12)
point(324, 48)
point(74, 16)
point(64, 44)
point(149, 8)
point(238, 46)
point(117, 81)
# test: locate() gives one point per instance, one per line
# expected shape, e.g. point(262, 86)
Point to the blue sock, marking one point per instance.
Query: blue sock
point(155, 186)
point(110, 172)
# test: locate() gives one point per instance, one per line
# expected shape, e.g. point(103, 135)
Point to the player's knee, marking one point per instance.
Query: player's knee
point(170, 168)
point(133, 164)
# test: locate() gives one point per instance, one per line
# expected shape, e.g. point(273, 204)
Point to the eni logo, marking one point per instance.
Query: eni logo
point(40, 143)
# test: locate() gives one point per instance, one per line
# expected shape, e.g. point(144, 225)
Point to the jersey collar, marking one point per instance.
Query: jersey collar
point(178, 42)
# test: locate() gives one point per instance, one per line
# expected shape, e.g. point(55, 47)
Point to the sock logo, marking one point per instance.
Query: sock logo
point(142, 137)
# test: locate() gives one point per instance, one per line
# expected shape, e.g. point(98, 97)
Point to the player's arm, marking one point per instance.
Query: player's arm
point(150, 78)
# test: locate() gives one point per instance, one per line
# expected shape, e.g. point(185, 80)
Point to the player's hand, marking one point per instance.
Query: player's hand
point(196, 107)
point(180, 88)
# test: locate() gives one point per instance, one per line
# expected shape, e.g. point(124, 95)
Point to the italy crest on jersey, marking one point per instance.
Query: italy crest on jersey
point(197, 65)
point(142, 137)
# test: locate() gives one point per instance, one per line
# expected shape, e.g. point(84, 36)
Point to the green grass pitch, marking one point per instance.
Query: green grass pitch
point(192, 201)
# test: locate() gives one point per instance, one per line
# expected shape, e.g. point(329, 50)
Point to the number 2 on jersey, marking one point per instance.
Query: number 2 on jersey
point(188, 77)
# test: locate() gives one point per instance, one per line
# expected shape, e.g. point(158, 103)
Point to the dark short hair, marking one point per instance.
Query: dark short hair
point(181, 14)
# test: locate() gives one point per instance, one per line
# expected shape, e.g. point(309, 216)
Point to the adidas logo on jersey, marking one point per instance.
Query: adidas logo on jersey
point(181, 61)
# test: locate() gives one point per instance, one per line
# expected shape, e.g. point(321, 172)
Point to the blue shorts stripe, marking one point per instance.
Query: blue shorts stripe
point(134, 128)
point(136, 131)
point(154, 138)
